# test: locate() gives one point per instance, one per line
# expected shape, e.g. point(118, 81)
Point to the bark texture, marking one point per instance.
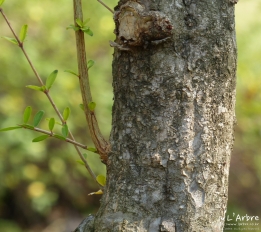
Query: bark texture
point(172, 130)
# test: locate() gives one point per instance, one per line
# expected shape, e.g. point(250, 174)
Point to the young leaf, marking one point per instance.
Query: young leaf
point(10, 128)
point(92, 106)
point(65, 130)
point(23, 33)
point(80, 162)
point(87, 31)
point(35, 87)
point(73, 27)
point(12, 40)
point(1, 2)
point(50, 79)
point(84, 155)
point(98, 192)
point(58, 123)
point(51, 124)
point(27, 126)
point(59, 137)
point(86, 21)
point(92, 149)
point(101, 180)
point(81, 106)
point(66, 113)
point(40, 138)
point(72, 72)
point(38, 117)
point(27, 113)
point(90, 64)
point(79, 22)
point(43, 88)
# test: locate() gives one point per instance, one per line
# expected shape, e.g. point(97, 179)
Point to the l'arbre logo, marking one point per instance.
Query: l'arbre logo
point(238, 222)
point(240, 218)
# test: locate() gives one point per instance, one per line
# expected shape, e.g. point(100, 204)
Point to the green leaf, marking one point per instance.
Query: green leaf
point(10, 128)
point(86, 21)
point(50, 79)
point(80, 162)
point(101, 180)
point(72, 72)
point(51, 124)
point(87, 31)
point(59, 137)
point(65, 130)
point(66, 113)
point(40, 138)
point(1, 2)
point(43, 88)
point(73, 27)
point(90, 64)
point(58, 123)
point(92, 106)
point(92, 149)
point(81, 106)
point(38, 117)
point(23, 33)
point(12, 40)
point(79, 22)
point(84, 155)
point(39, 88)
point(27, 126)
point(27, 113)
point(96, 193)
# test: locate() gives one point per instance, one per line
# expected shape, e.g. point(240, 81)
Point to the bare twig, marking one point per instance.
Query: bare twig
point(106, 6)
point(99, 141)
point(20, 44)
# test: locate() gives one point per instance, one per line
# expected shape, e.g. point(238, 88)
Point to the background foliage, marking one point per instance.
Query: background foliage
point(42, 188)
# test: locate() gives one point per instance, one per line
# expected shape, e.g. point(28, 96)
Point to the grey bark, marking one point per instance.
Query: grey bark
point(172, 129)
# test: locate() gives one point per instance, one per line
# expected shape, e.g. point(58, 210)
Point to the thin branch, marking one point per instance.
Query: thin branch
point(20, 44)
point(51, 134)
point(101, 144)
point(106, 6)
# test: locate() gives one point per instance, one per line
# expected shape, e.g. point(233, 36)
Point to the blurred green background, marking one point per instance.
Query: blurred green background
point(42, 187)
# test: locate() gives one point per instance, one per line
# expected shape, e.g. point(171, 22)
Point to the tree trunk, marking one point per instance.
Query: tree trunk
point(173, 117)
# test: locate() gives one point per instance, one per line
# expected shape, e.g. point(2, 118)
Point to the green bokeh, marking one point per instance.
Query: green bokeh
point(41, 183)
point(245, 171)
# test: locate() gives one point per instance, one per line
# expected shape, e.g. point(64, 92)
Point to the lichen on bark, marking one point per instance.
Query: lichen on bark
point(172, 129)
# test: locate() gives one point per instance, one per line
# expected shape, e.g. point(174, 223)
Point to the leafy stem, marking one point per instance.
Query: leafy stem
point(46, 91)
point(99, 141)
point(51, 134)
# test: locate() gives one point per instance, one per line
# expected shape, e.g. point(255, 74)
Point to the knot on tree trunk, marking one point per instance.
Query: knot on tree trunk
point(137, 26)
